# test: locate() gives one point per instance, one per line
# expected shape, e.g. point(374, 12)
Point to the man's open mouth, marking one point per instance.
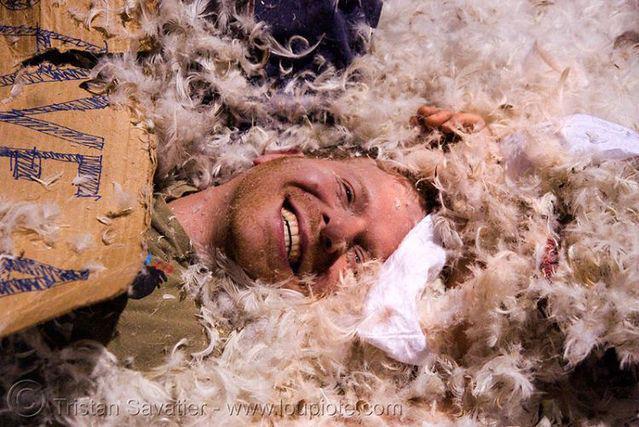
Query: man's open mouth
point(291, 237)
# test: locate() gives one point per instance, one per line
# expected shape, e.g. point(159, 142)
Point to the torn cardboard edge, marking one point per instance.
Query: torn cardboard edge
point(67, 147)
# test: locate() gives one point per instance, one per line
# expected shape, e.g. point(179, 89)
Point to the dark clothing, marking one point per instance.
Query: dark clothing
point(333, 26)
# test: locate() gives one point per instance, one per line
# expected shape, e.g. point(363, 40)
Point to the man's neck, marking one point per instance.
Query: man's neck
point(203, 216)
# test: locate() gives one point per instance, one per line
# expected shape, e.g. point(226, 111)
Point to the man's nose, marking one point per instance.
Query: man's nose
point(339, 232)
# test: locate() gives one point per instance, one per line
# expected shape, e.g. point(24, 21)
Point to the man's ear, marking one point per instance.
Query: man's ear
point(276, 154)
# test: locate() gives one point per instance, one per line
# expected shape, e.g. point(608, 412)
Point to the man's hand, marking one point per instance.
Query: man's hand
point(447, 121)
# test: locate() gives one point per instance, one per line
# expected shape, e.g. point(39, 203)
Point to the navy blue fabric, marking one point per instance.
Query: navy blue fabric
point(315, 19)
point(146, 282)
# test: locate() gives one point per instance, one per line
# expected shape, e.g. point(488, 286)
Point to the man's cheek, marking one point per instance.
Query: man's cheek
point(240, 243)
point(252, 246)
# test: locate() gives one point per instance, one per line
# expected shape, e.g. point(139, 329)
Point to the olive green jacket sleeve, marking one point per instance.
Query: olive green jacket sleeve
point(151, 326)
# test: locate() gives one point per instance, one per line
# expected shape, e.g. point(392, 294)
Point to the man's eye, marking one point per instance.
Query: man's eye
point(359, 255)
point(348, 191)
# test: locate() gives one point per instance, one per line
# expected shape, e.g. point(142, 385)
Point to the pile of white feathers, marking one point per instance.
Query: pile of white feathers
point(508, 345)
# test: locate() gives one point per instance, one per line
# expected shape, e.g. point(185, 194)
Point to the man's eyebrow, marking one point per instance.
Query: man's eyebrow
point(365, 195)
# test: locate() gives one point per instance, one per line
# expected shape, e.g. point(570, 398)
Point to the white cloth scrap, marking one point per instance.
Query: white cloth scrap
point(391, 320)
point(580, 135)
point(583, 134)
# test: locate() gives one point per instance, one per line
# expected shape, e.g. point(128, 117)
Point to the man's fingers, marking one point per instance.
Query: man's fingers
point(438, 119)
point(466, 122)
point(422, 113)
point(427, 110)
point(447, 121)
point(433, 117)
point(471, 121)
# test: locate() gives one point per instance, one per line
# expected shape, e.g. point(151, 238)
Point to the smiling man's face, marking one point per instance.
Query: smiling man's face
point(293, 216)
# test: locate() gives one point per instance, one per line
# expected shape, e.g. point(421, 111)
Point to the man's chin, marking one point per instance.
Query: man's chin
point(309, 285)
point(256, 268)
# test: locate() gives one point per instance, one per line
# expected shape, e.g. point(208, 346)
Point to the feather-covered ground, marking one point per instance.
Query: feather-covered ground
point(508, 345)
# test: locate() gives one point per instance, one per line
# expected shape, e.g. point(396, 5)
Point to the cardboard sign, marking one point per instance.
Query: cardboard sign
point(62, 145)
point(28, 27)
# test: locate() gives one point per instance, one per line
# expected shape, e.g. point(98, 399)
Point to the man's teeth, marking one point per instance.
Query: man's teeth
point(291, 235)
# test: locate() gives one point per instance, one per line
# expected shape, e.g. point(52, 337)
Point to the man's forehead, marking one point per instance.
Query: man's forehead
point(391, 213)
point(363, 166)
point(359, 161)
